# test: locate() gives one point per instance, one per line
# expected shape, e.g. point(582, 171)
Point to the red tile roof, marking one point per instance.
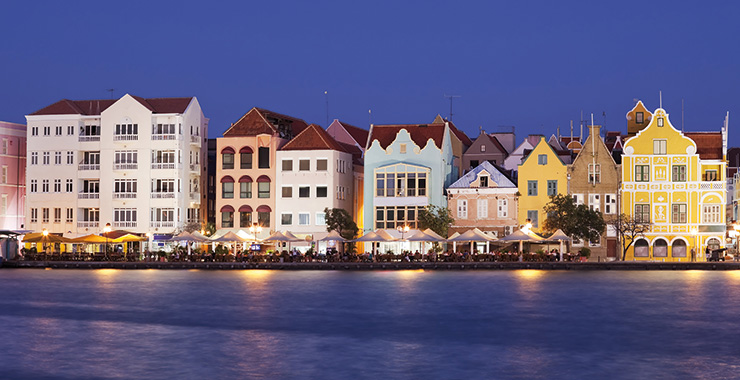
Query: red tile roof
point(357, 133)
point(95, 107)
point(461, 135)
point(708, 144)
point(420, 133)
point(314, 138)
point(260, 121)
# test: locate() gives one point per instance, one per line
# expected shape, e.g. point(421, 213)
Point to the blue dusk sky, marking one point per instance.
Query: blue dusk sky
point(535, 65)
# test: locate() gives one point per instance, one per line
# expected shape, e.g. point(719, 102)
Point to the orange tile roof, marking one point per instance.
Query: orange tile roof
point(357, 133)
point(256, 122)
point(420, 133)
point(314, 137)
point(708, 144)
point(95, 107)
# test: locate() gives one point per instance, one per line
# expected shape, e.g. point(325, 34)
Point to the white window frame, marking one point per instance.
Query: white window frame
point(482, 206)
point(462, 209)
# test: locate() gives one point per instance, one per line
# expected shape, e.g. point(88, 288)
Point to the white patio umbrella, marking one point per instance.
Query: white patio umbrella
point(560, 237)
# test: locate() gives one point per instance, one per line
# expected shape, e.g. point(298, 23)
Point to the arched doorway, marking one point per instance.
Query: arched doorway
point(642, 248)
point(660, 248)
point(678, 248)
point(713, 244)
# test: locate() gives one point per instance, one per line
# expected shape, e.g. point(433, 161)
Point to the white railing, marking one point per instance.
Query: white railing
point(124, 195)
point(195, 167)
point(88, 224)
point(88, 138)
point(194, 139)
point(124, 224)
point(713, 185)
point(162, 195)
point(125, 137)
point(164, 166)
point(89, 167)
point(88, 195)
point(127, 166)
point(162, 224)
point(164, 137)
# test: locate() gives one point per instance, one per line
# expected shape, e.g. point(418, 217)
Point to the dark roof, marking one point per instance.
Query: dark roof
point(461, 135)
point(495, 141)
point(260, 121)
point(708, 144)
point(357, 133)
point(420, 133)
point(95, 107)
point(314, 138)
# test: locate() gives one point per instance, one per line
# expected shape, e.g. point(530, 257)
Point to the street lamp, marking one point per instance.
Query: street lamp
point(255, 229)
point(106, 230)
point(402, 229)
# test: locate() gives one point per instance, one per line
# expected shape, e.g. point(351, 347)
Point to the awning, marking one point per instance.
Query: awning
point(263, 178)
point(227, 178)
point(245, 178)
point(245, 208)
point(227, 208)
point(263, 208)
point(245, 149)
point(227, 150)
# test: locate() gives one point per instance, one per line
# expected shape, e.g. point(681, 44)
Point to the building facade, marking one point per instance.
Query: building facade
point(541, 175)
point(132, 162)
point(13, 176)
point(485, 148)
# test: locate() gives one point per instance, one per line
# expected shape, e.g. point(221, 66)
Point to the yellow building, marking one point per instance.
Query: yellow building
point(676, 182)
point(541, 175)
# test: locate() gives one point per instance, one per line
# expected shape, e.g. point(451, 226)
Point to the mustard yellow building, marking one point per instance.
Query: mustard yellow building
point(541, 175)
point(676, 182)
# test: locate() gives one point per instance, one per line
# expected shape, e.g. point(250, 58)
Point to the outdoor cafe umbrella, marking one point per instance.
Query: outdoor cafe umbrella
point(454, 243)
point(39, 237)
point(522, 237)
point(472, 236)
point(370, 237)
point(186, 237)
point(559, 236)
point(423, 237)
point(334, 236)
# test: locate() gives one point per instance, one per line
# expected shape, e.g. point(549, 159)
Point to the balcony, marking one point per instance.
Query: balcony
point(88, 195)
point(124, 195)
point(162, 195)
point(129, 166)
point(89, 167)
point(195, 195)
point(88, 224)
point(164, 165)
point(89, 138)
point(124, 224)
point(125, 137)
point(195, 139)
point(162, 224)
point(713, 185)
point(195, 167)
point(164, 137)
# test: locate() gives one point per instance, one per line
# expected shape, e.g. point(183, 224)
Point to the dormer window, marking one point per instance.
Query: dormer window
point(482, 148)
point(639, 117)
point(483, 181)
point(660, 121)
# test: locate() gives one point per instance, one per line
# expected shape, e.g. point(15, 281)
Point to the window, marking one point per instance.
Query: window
point(304, 219)
point(70, 130)
point(45, 214)
point(322, 165)
point(46, 158)
point(128, 159)
point(124, 188)
point(594, 173)
point(126, 132)
point(610, 204)
point(320, 219)
point(245, 219)
point(5, 174)
point(57, 210)
point(47, 132)
point(642, 213)
point(462, 209)
point(474, 164)
point(401, 180)
point(710, 175)
point(711, 214)
point(642, 173)
point(286, 219)
point(57, 158)
point(227, 190)
point(124, 217)
point(34, 131)
point(90, 187)
point(34, 158)
point(594, 202)
point(90, 215)
point(263, 189)
point(163, 131)
point(70, 215)
point(660, 121)
point(483, 181)
point(532, 188)
point(34, 215)
point(58, 130)
point(304, 165)
point(503, 208)
point(287, 192)
point(392, 216)
point(533, 217)
point(57, 185)
point(679, 214)
point(402, 148)
point(552, 187)
point(227, 219)
point(483, 148)
point(70, 157)
point(245, 189)
point(165, 186)
point(321, 192)
point(245, 160)
point(304, 192)
point(227, 161)
point(660, 146)
point(639, 117)
point(34, 185)
point(679, 173)
point(542, 159)
point(90, 133)
point(163, 215)
point(45, 186)
point(482, 208)
point(264, 157)
point(69, 187)
point(287, 165)
point(263, 219)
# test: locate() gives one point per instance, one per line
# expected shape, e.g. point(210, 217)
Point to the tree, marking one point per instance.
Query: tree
point(338, 219)
point(628, 229)
point(577, 221)
point(438, 219)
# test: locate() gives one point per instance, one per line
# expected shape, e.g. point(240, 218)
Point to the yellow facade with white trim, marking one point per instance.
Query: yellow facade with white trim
point(534, 170)
point(664, 177)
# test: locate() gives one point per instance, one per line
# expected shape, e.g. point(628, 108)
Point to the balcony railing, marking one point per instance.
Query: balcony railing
point(124, 224)
point(195, 139)
point(125, 137)
point(124, 195)
point(88, 195)
point(164, 137)
point(195, 167)
point(161, 195)
point(88, 224)
point(89, 167)
point(714, 185)
point(127, 166)
point(89, 138)
point(164, 166)
point(195, 195)
point(162, 224)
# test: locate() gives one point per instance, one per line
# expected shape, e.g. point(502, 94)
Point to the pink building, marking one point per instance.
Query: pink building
point(13, 175)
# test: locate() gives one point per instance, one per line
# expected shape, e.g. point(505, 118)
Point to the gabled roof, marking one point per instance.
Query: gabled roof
point(460, 134)
point(708, 144)
point(314, 137)
point(498, 144)
point(95, 107)
point(261, 121)
point(494, 172)
point(357, 133)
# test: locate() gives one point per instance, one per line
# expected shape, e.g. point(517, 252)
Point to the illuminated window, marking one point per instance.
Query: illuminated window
point(642, 173)
point(401, 180)
point(660, 146)
point(639, 117)
point(594, 173)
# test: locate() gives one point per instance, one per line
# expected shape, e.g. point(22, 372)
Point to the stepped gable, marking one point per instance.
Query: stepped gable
point(95, 107)
point(314, 137)
point(261, 121)
point(708, 144)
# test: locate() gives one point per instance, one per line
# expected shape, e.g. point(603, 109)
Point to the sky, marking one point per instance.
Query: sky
point(534, 65)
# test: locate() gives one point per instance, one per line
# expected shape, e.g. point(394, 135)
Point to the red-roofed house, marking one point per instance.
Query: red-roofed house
point(348, 134)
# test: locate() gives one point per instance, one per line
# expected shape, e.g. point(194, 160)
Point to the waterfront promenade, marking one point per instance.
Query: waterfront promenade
point(357, 266)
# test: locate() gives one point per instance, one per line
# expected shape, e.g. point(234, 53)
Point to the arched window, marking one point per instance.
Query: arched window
point(227, 187)
point(227, 158)
point(263, 215)
point(642, 248)
point(245, 157)
point(678, 249)
point(227, 216)
point(660, 248)
point(245, 216)
point(263, 187)
point(245, 187)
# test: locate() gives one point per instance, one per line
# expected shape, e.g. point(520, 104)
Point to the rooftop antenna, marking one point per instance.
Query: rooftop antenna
point(326, 94)
point(451, 97)
point(661, 98)
point(370, 117)
point(111, 92)
point(681, 115)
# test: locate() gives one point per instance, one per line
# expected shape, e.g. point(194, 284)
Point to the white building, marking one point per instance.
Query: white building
point(133, 162)
point(314, 172)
